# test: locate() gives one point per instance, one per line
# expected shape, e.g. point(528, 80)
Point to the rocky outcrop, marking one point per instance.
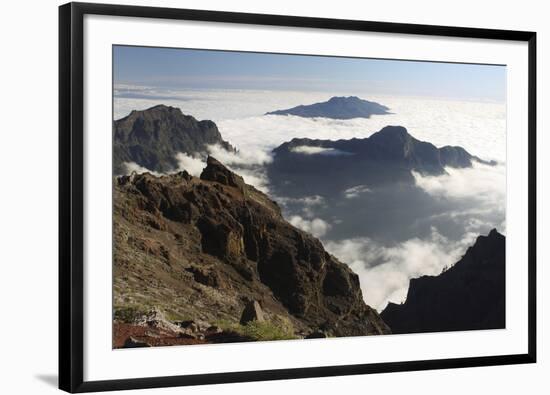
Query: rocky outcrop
point(252, 312)
point(470, 295)
point(228, 244)
point(336, 108)
point(152, 138)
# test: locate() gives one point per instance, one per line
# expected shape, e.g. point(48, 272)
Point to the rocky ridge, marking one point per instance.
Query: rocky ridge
point(309, 166)
point(468, 296)
point(206, 249)
point(153, 137)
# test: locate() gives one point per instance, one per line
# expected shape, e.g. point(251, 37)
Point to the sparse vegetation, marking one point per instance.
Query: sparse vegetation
point(278, 328)
point(128, 314)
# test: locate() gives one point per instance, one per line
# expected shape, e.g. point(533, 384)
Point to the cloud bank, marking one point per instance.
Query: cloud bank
point(385, 272)
point(311, 150)
point(192, 165)
point(316, 226)
point(356, 191)
point(476, 197)
point(479, 127)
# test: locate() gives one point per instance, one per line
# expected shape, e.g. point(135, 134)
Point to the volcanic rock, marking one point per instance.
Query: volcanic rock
point(153, 137)
point(229, 244)
point(252, 312)
point(470, 295)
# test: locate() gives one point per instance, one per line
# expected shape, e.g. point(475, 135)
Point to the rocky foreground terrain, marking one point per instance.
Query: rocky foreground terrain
point(211, 259)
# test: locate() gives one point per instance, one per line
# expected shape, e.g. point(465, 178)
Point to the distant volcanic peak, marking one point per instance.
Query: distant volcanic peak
point(390, 143)
point(396, 134)
point(354, 100)
point(336, 108)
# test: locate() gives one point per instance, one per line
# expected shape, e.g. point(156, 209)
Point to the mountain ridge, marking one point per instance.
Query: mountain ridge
point(470, 295)
point(203, 248)
point(312, 166)
point(153, 137)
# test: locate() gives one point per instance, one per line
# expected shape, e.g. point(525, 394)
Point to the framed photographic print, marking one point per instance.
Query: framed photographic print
point(253, 197)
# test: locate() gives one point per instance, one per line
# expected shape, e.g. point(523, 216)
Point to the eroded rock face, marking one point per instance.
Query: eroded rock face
point(153, 137)
point(252, 312)
point(215, 171)
point(240, 228)
point(468, 296)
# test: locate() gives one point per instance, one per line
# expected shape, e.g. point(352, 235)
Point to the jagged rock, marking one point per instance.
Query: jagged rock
point(133, 343)
point(155, 318)
point(213, 330)
point(206, 277)
point(215, 171)
point(470, 295)
point(194, 326)
point(221, 236)
point(252, 312)
point(234, 239)
point(152, 138)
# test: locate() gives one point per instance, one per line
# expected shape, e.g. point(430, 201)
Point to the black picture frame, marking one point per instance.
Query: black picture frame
point(71, 223)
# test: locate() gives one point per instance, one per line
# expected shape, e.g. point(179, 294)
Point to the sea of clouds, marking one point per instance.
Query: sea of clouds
point(477, 194)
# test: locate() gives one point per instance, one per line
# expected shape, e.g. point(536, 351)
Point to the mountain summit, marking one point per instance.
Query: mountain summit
point(336, 108)
point(387, 156)
point(152, 138)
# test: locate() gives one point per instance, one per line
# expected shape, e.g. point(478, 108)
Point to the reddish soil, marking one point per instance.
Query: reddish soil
point(151, 336)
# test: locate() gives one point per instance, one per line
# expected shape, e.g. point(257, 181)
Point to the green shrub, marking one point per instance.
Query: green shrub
point(128, 314)
point(262, 331)
point(279, 328)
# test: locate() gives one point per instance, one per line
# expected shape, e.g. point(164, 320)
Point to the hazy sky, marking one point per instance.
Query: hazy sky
point(201, 69)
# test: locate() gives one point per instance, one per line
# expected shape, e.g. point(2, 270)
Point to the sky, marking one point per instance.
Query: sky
point(207, 69)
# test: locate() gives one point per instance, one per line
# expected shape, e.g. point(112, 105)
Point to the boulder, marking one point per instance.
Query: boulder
point(156, 319)
point(252, 312)
point(131, 342)
point(215, 171)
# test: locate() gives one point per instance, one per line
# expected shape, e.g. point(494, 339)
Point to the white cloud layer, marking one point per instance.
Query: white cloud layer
point(477, 193)
point(356, 191)
point(312, 150)
point(385, 272)
point(134, 167)
point(192, 165)
point(480, 127)
point(316, 226)
point(480, 182)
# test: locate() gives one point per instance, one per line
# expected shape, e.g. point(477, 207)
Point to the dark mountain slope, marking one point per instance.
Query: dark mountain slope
point(152, 138)
point(387, 156)
point(336, 108)
point(202, 248)
point(468, 296)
